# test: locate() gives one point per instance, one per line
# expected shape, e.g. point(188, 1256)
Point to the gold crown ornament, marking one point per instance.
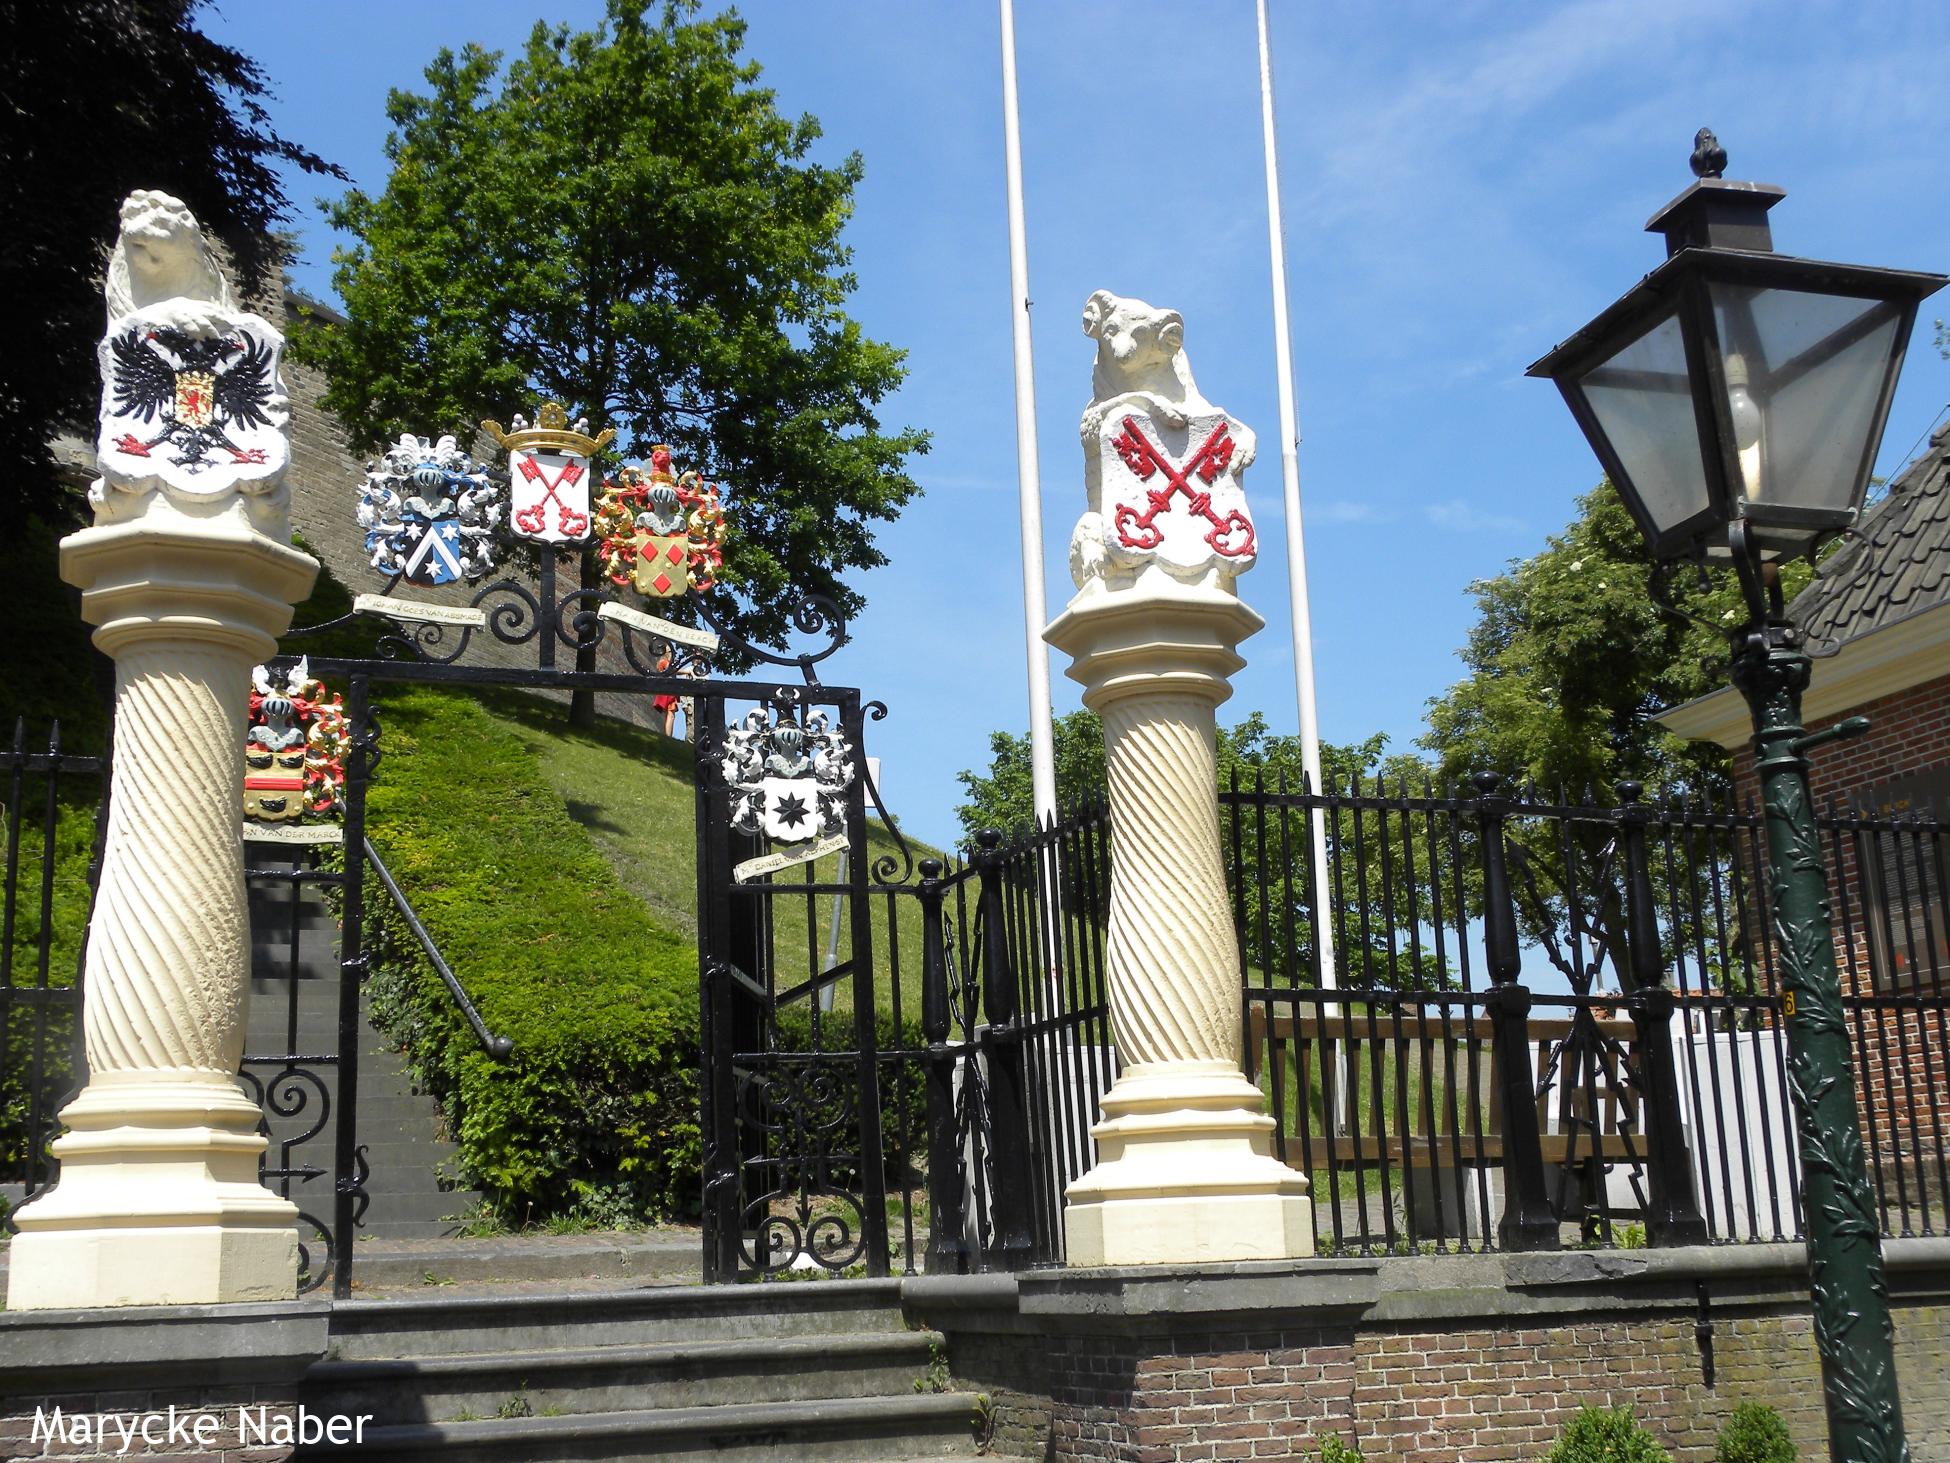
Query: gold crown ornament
point(550, 432)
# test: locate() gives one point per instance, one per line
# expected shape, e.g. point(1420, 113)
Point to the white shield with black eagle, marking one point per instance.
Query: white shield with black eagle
point(204, 413)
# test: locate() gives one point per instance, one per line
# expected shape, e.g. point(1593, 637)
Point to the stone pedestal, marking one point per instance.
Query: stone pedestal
point(158, 1201)
point(1186, 1171)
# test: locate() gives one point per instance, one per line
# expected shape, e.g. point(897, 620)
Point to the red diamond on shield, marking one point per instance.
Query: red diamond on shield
point(675, 553)
point(662, 582)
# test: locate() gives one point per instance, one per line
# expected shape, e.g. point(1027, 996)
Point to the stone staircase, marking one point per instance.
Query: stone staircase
point(294, 1008)
point(812, 1372)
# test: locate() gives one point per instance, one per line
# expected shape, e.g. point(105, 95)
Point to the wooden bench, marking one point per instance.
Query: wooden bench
point(1440, 1045)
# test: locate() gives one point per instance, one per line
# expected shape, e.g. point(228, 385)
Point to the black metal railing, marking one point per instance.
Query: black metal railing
point(1553, 1021)
point(54, 815)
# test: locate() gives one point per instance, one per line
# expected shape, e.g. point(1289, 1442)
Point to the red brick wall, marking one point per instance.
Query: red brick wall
point(1473, 1394)
point(1902, 1056)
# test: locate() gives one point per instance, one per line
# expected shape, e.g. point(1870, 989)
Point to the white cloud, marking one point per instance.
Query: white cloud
point(1454, 513)
point(1340, 511)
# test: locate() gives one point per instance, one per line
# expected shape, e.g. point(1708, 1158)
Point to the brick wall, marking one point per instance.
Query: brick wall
point(184, 1422)
point(1423, 1396)
point(1902, 1056)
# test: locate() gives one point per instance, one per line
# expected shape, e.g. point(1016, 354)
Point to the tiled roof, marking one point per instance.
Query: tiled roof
point(1901, 564)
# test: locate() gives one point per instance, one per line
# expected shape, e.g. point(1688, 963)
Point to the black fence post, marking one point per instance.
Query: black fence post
point(1672, 1212)
point(718, 1092)
point(1002, 1048)
point(947, 1239)
point(1528, 1221)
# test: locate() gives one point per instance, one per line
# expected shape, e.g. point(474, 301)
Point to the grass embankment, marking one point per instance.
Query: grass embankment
point(631, 791)
point(556, 870)
point(597, 1109)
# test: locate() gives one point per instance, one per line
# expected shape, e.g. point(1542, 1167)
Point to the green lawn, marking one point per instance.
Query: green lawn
point(631, 789)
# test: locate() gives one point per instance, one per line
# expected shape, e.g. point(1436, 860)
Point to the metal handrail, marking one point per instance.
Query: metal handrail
point(498, 1047)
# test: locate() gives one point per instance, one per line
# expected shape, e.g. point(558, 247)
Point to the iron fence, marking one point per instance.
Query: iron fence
point(1553, 1021)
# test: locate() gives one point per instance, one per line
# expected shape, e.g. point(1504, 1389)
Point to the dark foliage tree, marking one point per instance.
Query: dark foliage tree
point(620, 219)
point(1574, 654)
point(97, 98)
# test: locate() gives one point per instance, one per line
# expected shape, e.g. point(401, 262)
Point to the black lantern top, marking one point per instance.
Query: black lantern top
point(1734, 383)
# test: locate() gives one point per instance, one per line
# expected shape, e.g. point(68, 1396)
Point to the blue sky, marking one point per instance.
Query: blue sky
point(1464, 185)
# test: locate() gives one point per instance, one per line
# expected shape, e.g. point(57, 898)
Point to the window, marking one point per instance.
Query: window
point(1903, 861)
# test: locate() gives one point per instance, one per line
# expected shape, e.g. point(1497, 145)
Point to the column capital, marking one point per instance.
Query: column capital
point(167, 576)
point(1157, 637)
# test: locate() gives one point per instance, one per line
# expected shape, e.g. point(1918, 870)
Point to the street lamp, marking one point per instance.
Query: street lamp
point(1736, 398)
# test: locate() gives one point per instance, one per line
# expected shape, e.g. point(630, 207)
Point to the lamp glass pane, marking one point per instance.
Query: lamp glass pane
point(1644, 405)
point(1805, 374)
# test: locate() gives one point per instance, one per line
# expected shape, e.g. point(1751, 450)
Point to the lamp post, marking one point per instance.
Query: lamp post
point(1736, 398)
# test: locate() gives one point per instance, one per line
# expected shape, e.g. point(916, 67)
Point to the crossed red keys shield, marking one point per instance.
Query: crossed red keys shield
point(532, 520)
point(1230, 536)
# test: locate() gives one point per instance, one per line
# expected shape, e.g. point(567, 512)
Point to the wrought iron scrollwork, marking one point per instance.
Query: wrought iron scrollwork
point(807, 1109)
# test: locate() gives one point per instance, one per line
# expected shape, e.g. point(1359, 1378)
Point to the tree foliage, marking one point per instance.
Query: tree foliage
point(1572, 656)
point(101, 97)
point(1268, 851)
point(1574, 652)
point(620, 219)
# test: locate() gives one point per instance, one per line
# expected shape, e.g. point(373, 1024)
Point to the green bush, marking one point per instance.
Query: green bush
point(597, 1109)
point(1606, 1435)
point(1754, 1434)
point(1333, 1450)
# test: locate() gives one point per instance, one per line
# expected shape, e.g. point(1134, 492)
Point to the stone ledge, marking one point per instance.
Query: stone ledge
point(129, 1349)
point(1396, 1290)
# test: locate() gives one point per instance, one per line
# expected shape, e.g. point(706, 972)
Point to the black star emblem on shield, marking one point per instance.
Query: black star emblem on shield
point(791, 810)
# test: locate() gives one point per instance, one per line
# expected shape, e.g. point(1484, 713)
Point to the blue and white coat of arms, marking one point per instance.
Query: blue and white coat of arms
point(430, 511)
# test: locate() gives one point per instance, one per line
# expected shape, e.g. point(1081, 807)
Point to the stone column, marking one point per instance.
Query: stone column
point(189, 576)
point(1185, 1169)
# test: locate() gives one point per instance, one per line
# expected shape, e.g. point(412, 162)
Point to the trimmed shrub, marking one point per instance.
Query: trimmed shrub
point(1606, 1435)
point(1754, 1434)
point(596, 1112)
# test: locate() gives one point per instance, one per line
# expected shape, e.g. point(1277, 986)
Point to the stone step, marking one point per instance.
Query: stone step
point(450, 1325)
point(653, 1256)
point(851, 1430)
point(591, 1379)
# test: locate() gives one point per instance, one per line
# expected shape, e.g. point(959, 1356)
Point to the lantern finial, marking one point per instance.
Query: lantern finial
point(1709, 159)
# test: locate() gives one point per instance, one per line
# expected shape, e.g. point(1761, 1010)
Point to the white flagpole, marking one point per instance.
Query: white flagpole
point(1296, 547)
point(1042, 745)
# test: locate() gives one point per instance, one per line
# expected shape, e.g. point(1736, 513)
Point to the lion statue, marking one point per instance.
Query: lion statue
point(1141, 365)
point(162, 256)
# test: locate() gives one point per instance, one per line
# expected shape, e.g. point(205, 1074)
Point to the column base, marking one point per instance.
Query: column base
point(1186, 1175)
point(158, 1202)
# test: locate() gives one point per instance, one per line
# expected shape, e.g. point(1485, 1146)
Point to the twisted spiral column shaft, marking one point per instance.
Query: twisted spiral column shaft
point(169, 946)
point(1171, 957)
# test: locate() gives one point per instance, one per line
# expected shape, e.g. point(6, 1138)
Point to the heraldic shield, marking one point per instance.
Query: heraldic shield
point(429, 512)
point(295, 747)
point(549, 474)
point(1173, 492)
point(662, 535)
point(204, 413)
point(788, 778)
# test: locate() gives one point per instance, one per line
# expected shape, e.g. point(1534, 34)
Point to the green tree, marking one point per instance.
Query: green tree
point(1572, 656)
point(1574, 652)
point(102, 97)
point(1265, 842)
point(620, 219)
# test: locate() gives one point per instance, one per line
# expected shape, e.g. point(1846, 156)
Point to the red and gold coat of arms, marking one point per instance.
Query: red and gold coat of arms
point(661, 534)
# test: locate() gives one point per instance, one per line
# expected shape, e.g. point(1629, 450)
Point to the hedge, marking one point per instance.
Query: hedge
point(596, 1112)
